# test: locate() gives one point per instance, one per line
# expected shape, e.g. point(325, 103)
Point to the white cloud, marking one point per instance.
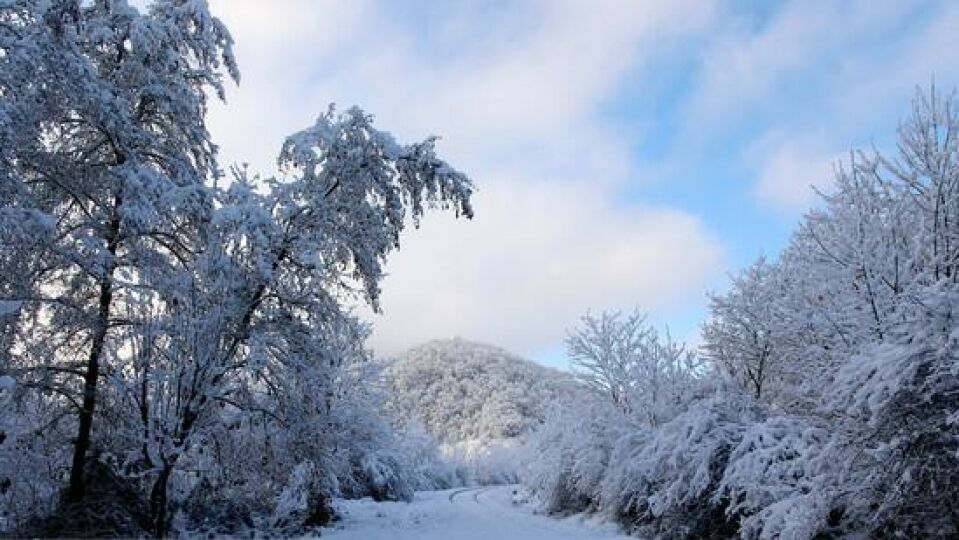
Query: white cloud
point(791, 171)
point(537, 256)
point(741, 68)
point(815, 48)
point(789, 179)
point(515, 89)
point(832, 75)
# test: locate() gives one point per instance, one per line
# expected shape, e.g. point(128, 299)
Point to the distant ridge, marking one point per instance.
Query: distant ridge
point(464, 391)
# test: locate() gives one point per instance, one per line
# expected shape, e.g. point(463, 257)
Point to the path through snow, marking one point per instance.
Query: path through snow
point(486, 513)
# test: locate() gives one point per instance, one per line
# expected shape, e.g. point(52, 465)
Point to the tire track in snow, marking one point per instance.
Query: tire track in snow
point(478, 493)
point(454, 494)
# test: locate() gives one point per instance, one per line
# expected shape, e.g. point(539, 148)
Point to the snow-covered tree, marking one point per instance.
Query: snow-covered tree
point(136, 290)
point(106, 155)
point(739, 335)
point(604, 349)
point(622, 357)
point(260, 323)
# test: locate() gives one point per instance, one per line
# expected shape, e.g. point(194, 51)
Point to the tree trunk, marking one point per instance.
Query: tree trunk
point(75, 491)
point(158, 502)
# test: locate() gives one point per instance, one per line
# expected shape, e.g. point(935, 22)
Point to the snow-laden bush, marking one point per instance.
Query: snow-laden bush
point(487, 462)
point(771, 482)
point(567, 458)
point(370, 462)
point(248, 474)
point(31, 463)
point(664, 480)
point(305, 500)
point(644, 373)
point(428, 466)
point(114, 508)
point(899, 441)
point(232, 510)
point(382, 475)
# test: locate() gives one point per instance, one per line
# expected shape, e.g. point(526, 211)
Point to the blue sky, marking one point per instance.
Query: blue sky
point(626, 153)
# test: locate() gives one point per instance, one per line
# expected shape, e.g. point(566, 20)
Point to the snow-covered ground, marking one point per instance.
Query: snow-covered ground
point(485, 513)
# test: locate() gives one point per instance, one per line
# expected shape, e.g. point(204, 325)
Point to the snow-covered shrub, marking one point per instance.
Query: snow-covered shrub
point(31, 462)
point(771, 483)
point(428, 466)
point(368, 457)
point(898, 444)
point(486, 462)
point(32, 457)
point(606, 447)
point(233, 510)
point(664, 480)
point(305, 501)
point(567, 458)
point(382, 475)
point(113, 508)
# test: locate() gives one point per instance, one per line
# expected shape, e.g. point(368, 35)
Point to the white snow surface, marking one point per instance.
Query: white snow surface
point(480, 513)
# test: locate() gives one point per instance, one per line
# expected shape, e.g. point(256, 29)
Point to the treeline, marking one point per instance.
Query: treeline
point(177, 350)
point(825, 400)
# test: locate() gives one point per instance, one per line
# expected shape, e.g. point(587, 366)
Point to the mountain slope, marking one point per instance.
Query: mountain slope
point(464, 391)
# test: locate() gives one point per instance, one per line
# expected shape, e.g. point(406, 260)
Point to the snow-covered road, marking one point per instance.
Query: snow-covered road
point(486, 513)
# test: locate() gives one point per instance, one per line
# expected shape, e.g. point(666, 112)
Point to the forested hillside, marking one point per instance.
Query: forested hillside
point(471, 392)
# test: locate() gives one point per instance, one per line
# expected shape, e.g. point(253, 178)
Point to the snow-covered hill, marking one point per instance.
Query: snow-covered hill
point(468, 393)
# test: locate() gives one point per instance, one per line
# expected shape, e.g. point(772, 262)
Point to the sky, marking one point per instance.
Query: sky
point(626, 154)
